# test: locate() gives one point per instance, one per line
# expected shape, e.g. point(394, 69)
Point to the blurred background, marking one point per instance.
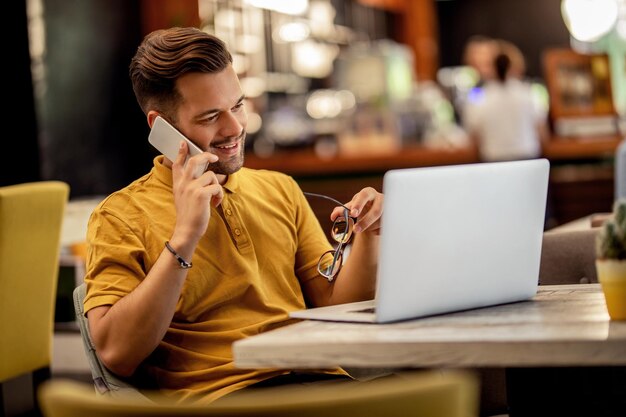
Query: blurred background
point(339, 91)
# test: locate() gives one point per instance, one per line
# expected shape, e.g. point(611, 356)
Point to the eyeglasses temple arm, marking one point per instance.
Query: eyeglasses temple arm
point(326, 197)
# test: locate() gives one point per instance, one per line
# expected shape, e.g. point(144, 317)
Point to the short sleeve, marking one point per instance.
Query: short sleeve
point(115, 262)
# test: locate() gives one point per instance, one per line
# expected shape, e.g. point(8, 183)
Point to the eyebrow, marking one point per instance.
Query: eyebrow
point(212, 111)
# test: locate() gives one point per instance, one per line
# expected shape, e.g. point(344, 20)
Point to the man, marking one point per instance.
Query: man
point(180, 267)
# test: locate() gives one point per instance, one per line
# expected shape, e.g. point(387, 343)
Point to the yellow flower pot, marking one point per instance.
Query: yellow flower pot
point(612, 277)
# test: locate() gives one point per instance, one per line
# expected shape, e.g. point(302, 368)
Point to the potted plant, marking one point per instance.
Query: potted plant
point(611, 260)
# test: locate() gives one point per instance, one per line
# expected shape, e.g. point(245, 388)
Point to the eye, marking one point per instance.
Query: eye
point(211, 118)
point(238, 106)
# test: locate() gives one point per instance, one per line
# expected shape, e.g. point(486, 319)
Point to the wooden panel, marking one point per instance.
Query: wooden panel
point(307, 163)
point(161, 14)
point(580, 148)
point(577, 191)
point(421, 34)
point(391, 5)
point(418, 29)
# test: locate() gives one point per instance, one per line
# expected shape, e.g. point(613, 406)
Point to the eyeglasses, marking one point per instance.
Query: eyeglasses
point(331, 261)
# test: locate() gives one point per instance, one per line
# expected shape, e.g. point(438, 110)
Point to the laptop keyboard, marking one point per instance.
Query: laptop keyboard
point(365, 310)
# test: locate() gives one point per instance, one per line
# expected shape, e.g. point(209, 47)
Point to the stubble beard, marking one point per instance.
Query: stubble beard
point(231, 165)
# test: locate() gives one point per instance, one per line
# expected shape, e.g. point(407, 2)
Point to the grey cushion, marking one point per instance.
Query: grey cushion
point(105, 382)
point(568, 257)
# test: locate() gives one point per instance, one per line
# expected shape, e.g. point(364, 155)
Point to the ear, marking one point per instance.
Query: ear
point(152, 114)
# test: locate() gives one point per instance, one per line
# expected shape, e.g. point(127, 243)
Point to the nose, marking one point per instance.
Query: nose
point(231, 124)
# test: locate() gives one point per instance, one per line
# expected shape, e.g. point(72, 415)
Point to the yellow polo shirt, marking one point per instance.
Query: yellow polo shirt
point(261, 243)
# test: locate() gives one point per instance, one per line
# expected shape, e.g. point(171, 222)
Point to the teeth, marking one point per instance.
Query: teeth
point(227, 146)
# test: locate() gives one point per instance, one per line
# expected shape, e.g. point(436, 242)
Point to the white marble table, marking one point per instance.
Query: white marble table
point(563, 325)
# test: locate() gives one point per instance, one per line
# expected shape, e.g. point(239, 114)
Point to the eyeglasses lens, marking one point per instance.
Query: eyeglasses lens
point(342, 229)
point(330, 263)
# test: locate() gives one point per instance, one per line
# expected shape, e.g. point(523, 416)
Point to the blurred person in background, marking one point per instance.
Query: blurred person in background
point(502, 117)
point(517, 68)
point(478, 54)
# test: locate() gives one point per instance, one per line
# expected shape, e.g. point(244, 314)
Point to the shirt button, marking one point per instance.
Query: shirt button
point(237, 232)
point(229, 212)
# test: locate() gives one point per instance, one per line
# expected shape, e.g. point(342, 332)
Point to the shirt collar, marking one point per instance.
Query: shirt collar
point(232, 182)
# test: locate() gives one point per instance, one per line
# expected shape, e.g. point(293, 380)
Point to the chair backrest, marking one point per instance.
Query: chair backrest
point(415, 393)
point(105, 382)
point(568, 257)
point(31, 220)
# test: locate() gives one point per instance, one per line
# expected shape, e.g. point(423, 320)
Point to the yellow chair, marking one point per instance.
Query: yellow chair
point(409, 394)
point(31, 219)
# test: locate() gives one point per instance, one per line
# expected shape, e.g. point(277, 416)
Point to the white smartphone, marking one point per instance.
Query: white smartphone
point(166, 139)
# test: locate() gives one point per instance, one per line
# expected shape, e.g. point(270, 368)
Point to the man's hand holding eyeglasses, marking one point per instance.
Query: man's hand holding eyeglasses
point(367, 207)
point(357, 279)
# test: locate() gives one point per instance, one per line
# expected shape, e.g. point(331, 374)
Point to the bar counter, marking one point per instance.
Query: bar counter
point(306, 163)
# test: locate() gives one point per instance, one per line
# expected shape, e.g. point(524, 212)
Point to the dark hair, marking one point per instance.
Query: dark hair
point(502, 64)
point(167, 54)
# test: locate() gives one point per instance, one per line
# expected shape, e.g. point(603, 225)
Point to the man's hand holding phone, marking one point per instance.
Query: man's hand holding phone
point(194, 187)
point(193, 195)
point(166, 139)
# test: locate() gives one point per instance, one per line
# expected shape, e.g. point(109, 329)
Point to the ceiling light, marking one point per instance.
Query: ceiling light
point(589, 20)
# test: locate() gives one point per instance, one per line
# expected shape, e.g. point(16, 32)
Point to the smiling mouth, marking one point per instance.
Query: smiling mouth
point(227, 146)
point(230, 145)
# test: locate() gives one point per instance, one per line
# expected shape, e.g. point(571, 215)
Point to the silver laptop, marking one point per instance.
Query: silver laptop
point(453, 238)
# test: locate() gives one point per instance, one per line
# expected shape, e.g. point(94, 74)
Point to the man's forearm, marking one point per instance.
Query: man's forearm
point(357, 279)
point(127, 332)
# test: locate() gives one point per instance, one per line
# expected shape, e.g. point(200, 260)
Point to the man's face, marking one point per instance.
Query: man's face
point(212, 115)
